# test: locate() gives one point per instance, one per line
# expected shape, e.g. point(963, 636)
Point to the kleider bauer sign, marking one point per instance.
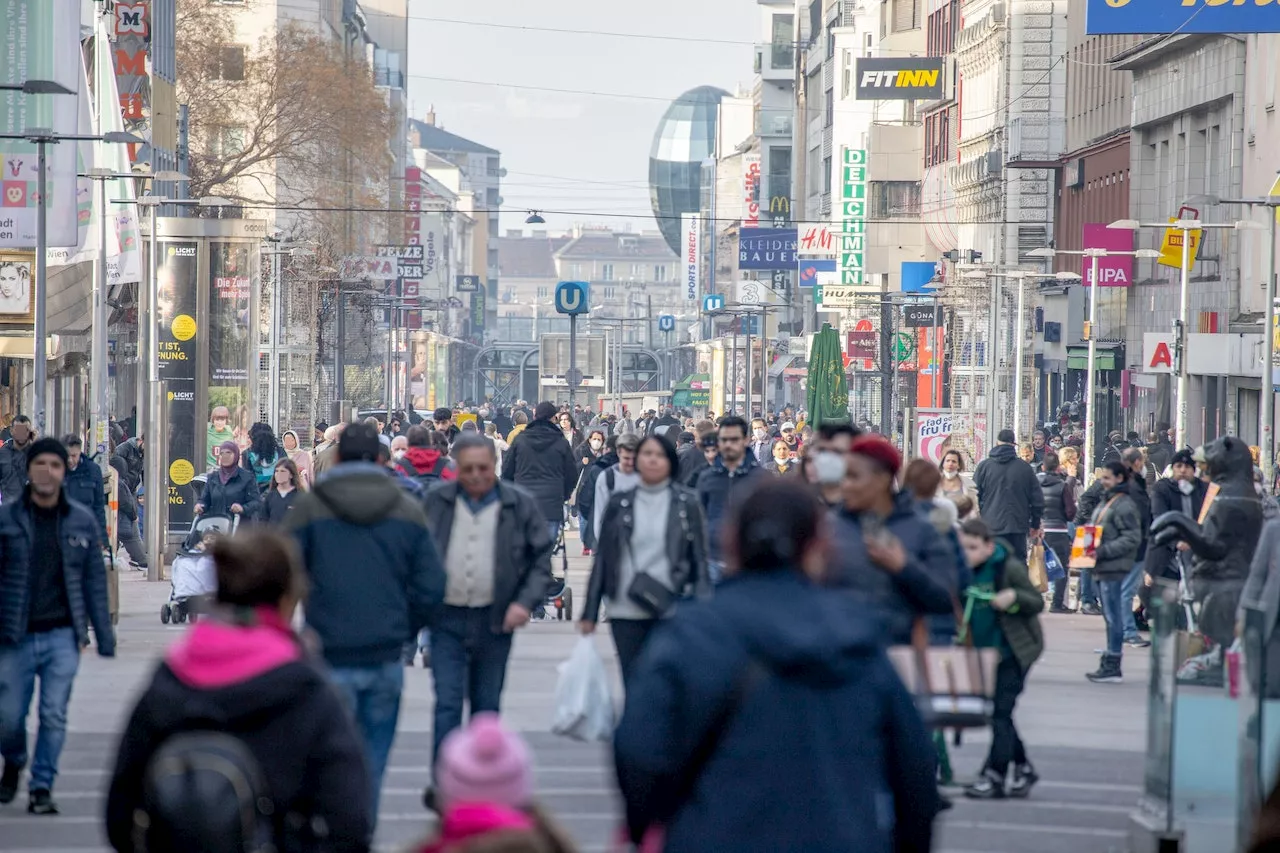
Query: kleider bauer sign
point(1165, 17)
point(916, 77)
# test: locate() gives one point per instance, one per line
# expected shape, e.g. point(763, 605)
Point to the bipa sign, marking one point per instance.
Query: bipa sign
point(1113, 270)
point(1157, 352)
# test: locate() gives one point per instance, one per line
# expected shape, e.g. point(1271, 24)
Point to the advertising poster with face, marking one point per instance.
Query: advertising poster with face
point(16, 278)
point(229, 329)
point(176, 279)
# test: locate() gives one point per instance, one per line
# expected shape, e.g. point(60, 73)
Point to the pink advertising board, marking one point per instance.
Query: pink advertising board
point(940, 430)
point(1114, 271)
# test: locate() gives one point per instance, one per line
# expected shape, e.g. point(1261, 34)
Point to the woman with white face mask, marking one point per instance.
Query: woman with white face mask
point(955, 484)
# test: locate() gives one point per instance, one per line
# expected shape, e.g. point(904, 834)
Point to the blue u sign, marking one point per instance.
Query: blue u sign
point(666, 323)
point(573, 297)
point(712, 302)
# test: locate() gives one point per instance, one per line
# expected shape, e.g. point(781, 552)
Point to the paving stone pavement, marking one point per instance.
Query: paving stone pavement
point(1085, 740)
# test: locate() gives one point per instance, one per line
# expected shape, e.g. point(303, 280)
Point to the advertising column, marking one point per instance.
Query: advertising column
point(178, 279)
point(231, 273)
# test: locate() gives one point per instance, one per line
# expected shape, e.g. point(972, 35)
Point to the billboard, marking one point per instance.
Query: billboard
point(767, 249)
point(177, 281)
point(751, 190)
point(1166, 17)
point(40, 41)
point(940, 430)
point(1113, 270)
point(902, 79)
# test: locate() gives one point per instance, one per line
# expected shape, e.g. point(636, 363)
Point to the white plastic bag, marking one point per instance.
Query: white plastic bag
point(584, 704)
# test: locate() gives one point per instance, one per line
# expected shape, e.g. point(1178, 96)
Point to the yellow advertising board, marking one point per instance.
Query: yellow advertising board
point(1171, 247)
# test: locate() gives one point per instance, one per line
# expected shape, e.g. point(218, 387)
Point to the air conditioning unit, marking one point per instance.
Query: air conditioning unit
point(992, 164)
point(1052, 332)
point(997, 13)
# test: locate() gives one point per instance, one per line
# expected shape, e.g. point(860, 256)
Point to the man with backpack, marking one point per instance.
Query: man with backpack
point(616, 478)
point(424, 461)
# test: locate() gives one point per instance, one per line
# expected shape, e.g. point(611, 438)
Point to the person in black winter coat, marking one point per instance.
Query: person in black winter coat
point(1136, 461)
point(244, 673)
point(127, 516)
point(1183, 492)
point(281, 494)
point(540, 460)
point(1009, 497)
point(587, 492)
point(230, 489)
point(83, 482)
point(774, 699)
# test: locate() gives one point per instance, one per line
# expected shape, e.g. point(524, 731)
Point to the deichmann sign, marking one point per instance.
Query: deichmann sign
point(1113, 270)
point(852, 215)
point(899, 79)
point(1163, 17)
point(691, 246)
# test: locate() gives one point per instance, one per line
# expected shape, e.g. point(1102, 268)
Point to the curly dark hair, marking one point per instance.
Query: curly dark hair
point(262, 441)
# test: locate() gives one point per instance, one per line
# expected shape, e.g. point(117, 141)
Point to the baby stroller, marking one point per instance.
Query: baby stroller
point(194, 578)
point(559, 595)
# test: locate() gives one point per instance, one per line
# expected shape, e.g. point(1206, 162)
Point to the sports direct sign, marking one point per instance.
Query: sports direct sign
point(1113, 270)
point(691, 244)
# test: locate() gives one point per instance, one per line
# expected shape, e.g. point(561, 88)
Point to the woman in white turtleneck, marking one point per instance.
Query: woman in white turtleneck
point(651, 552)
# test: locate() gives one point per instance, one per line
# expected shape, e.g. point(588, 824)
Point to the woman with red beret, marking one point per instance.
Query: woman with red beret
point(885, 550)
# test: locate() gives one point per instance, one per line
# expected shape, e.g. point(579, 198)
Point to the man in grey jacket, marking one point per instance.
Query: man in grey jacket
point(496, 550)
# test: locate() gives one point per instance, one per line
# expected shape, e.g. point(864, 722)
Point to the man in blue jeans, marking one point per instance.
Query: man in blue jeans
point(55, 584)
point(496, 549)
point(1121, 523)
point(375, 580)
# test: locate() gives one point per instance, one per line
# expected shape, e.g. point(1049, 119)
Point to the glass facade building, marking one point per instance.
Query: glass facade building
point(684, 138)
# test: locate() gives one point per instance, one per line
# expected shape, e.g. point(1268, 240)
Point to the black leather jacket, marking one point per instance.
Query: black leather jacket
point(686, 548)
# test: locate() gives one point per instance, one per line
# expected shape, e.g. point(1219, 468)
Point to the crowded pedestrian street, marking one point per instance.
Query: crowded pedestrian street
point(1091, 773)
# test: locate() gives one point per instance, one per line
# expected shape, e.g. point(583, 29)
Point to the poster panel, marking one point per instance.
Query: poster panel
point(940, 430)
point(230, 334)
point(177, 279)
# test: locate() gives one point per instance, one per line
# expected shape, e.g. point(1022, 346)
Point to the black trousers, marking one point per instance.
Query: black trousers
point(629, 636)
point(1018, 543)
point(1006, 746)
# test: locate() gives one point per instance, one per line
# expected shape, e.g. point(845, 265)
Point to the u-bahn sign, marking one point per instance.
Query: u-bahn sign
point(1165, 17)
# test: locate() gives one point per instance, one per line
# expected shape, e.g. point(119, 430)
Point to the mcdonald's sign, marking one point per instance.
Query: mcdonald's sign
point(780, 204)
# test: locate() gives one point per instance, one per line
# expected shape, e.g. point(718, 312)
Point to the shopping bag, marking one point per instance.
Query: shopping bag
point(1036, 569)
point(1053, 568)
point(584, 703)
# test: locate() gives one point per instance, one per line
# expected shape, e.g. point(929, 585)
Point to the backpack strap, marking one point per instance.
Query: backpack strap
point(442, 462)
point(610, 479)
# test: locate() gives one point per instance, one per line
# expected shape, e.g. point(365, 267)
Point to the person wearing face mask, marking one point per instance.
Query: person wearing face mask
point(780, 462)
point(279, 499)
point(761, 443)
point(954, 484)
point(589, 451)
point(1182, 492)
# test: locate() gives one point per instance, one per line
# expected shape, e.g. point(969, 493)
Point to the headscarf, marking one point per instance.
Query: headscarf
point(226, 472)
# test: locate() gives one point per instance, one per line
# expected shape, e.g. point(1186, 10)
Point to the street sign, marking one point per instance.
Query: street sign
point(573, 297)
point(712, 303)
point(573, 377)
point(903, 346)
point(467, 283)
point(666, 323)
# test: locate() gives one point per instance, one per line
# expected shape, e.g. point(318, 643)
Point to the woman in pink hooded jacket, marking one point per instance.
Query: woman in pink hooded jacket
point(242, 671)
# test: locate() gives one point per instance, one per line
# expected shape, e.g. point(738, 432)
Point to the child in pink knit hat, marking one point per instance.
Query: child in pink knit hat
point(484, 783)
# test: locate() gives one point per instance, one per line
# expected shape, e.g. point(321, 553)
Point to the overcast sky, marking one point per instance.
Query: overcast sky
point(571, 151)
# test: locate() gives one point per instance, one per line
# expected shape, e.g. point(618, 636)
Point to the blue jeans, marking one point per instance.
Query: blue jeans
point(1113, 607)
point(1130, 590)
point(468, 662)
point(372, 693)
point(1088, 590)
point(53, 657)
point(715, 571)
point(583, 526)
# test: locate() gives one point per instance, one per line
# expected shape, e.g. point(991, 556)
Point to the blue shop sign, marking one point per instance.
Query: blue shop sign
point(767, 249)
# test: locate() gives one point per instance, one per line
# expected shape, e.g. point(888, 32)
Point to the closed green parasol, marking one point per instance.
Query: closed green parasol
point(827, 397)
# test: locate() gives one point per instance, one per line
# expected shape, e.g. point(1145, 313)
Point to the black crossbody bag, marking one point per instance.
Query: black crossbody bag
point(646, 591)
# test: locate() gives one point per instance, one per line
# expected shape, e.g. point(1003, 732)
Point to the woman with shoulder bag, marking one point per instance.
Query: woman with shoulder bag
point(652, 551)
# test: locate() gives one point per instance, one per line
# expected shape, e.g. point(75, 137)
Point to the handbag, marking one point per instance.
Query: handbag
point(1084, 548)
point(954, 686)
point(650, 594)
point(1036, 570)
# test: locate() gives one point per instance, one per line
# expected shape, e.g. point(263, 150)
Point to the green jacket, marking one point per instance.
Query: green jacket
point(1021, 627)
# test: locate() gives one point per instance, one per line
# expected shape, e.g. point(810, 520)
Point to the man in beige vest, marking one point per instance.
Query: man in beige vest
point(496, 551)
point(326, 453)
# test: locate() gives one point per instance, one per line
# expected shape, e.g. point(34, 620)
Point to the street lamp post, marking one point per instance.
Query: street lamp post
point(42, 138)
point(1266, 407)
point(1185, 227)
point(1091, 366)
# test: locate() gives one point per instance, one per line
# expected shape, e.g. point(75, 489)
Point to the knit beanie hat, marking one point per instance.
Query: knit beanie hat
point(484, 763)
point(878, 448)
point(41, 446)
